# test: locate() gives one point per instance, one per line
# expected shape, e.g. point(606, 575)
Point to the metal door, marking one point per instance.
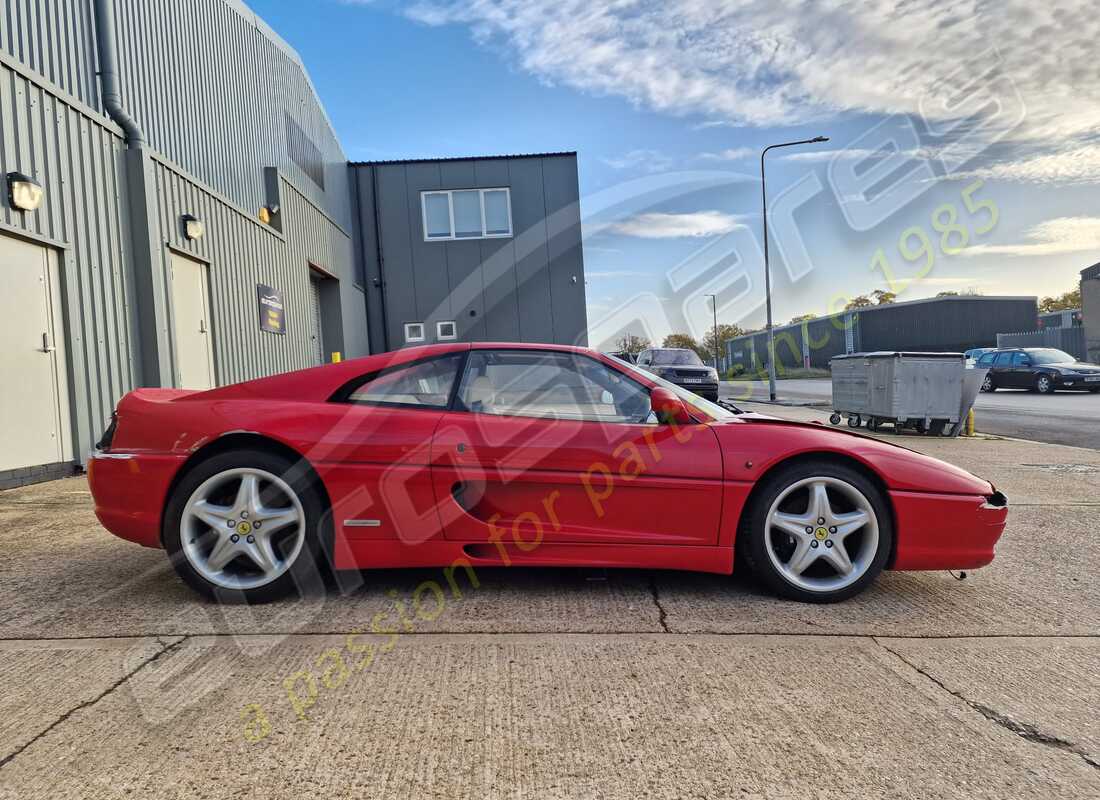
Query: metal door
point(35, 401)
point(191, 324)
point(318, 337)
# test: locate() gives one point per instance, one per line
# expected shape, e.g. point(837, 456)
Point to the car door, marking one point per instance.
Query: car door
point(1002, 370)
point(561, 447)
point(375, 457)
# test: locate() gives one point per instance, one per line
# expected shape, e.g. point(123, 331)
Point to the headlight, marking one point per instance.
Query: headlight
point(713, 373)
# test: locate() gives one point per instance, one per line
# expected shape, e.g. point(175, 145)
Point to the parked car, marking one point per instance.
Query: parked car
point(629, 358)
point(683, 367)
point(975, 353)
point(487, 455)
point(1041, 369)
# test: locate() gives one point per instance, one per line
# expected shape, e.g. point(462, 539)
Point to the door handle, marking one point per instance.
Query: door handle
point(46, 346)
point(461, 447)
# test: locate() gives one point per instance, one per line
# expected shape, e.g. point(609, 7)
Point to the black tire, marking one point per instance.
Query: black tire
point(938, 427)
point(854, 421)
point(834, 419)
point(1044, 384)
point(305, 575)
point(988, 385)
point(751, 537)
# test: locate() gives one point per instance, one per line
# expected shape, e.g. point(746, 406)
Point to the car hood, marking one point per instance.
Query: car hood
point(753, 443)
point(1075, 366)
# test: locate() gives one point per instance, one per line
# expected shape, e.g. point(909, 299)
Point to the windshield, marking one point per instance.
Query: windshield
point(677, 358)
point(712, 410)
point(1050, 357)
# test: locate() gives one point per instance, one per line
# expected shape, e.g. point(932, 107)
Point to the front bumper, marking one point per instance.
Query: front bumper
point(1077, 381)
point(130, 492)
point(947, 531)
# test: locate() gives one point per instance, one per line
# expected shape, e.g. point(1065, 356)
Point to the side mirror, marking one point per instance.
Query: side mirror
point(669, 408)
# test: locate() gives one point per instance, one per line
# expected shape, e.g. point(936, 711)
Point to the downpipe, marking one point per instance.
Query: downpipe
point(107, 48)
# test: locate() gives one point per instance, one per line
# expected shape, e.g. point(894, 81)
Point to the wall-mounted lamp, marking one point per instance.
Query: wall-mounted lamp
point(192, 227)
point(24, 192)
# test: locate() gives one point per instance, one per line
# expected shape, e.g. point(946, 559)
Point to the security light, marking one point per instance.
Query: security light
point(193, 227)
point(24, 192)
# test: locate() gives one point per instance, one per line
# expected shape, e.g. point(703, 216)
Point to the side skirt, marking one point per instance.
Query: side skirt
point(370, 554)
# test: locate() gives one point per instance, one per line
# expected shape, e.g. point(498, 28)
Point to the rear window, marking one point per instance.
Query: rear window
point(427, 383)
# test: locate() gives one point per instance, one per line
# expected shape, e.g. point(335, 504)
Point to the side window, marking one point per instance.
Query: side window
point(1020, 360)
point(643, 358)
point(427, 384)
point(987, 360)
point(1003, 360)
point(529, 383)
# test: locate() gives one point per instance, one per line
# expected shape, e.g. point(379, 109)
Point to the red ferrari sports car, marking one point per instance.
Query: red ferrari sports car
point(463, 455)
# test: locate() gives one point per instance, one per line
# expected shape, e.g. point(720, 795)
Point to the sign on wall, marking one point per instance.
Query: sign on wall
point(272, 310)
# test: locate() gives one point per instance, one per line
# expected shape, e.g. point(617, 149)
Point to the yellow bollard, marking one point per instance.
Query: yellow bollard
point(970, 422)
point(336, 358)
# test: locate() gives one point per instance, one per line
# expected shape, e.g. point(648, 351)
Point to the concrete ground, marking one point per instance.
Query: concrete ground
point(561, 683)
point(1071, 418)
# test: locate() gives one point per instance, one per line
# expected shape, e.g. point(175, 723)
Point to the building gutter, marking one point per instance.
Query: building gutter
point(108, 74)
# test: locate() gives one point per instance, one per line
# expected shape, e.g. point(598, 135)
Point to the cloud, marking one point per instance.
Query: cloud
point(731, 154)
point(1053, 237)
point(645, 160)
point(786, 62)
point(615, 273)
point(656, 225)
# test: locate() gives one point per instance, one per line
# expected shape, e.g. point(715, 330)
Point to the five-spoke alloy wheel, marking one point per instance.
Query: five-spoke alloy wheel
point(818, 532)
point(243, 526)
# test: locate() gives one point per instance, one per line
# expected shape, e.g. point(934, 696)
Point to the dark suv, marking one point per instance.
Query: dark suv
point(1041, 369)
point(682, 367)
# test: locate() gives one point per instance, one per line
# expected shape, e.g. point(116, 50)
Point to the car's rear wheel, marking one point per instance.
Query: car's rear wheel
point(245, 526)
point(1044, 384)
point(818, 532)
point(987, 384)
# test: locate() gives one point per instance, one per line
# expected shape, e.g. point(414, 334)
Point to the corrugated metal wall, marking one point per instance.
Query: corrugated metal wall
point(195, 74)
point(77, 156)
point(243, 252)
point(210, 84)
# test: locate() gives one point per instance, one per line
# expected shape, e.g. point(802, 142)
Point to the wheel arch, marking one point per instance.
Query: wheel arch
point(244, 441)
point(835, 457)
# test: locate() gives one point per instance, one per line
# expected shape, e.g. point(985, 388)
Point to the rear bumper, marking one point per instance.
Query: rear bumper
point(129, 492)
point(945, 531)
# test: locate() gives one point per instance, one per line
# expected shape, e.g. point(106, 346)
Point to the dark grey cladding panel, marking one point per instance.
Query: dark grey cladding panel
point(429, 259)
point(536, 320)
point(397, 229)
point(564, 244)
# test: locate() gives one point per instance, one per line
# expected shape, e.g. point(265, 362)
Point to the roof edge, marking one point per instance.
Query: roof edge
point(436, 160)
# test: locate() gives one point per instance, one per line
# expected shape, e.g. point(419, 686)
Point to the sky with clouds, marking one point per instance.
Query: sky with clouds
point(964, 146)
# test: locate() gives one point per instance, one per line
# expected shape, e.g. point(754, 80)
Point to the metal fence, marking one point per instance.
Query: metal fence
point(1072, 340)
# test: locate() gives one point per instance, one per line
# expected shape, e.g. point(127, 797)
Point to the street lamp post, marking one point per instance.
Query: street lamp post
point(767, 267)
point(714, 308)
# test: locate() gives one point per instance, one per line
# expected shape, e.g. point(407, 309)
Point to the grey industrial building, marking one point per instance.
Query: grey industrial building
point(178, 211)
point(938, 324)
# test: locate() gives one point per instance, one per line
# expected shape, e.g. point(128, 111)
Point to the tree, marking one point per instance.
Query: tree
point(971, 292)
point(862, 301)
point(629, 343)
point(1063, 302)
point(949, 293)
point(883, 297)
point(680, 340)
point(802, 318)
point(725, 333)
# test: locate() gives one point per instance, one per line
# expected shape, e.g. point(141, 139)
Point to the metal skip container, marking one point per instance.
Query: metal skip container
point(924, 391)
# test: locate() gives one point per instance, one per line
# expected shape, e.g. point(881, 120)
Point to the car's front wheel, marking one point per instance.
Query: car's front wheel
point(987, 384)
point(818, 532)
point(245, 526)
point(1044, 384)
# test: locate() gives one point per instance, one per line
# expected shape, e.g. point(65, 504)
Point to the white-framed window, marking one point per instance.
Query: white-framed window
point(414, 332)
point(466, 214)
point(446, 331)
